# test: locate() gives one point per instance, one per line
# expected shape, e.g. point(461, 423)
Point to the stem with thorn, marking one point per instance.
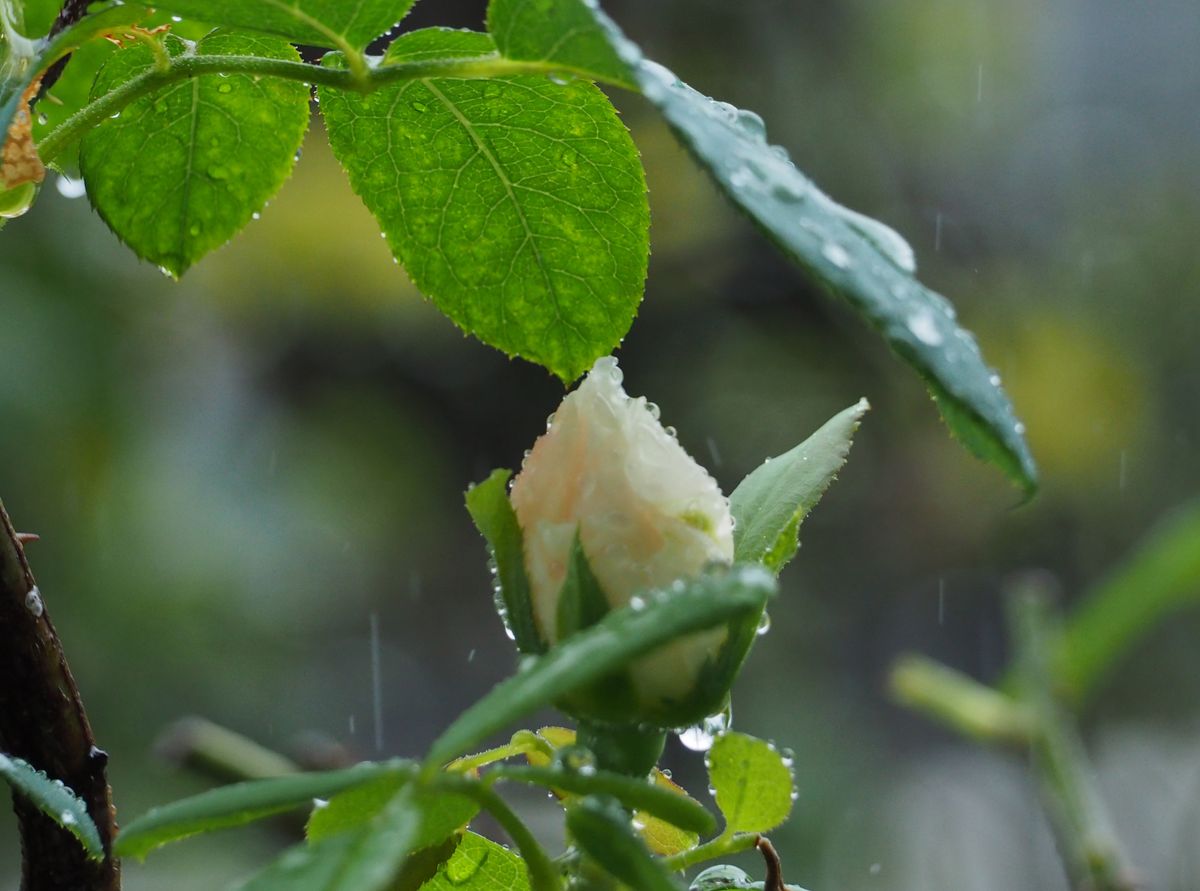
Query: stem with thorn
point(42, 720)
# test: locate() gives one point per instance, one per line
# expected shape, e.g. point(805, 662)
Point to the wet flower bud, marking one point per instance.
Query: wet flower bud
point(646, 515)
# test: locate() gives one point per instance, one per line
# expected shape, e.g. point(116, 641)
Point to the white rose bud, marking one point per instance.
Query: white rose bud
point(646, 515)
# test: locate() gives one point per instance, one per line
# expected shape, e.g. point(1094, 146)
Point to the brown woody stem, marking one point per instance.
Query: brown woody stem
point(42, 720)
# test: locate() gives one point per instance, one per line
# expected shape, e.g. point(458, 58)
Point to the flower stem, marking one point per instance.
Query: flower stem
point(364, 80)
point(722, 846)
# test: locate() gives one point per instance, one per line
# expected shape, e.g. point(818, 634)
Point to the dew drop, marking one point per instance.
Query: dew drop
point(764, 624)
point(924, 328)
point(33, 602)
point(70, 188)
point(836, 254)
point(420, 107)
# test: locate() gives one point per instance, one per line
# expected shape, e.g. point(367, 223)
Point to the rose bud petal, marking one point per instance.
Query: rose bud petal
point(645, 512)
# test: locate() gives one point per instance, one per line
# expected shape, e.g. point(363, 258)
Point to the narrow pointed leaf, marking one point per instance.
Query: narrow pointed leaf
point(55, 800)
point(479, 864)
point(862, 260)
point(243, 803)
point(563, 33)
point(180, 171)
point(608, 645)
point(769, 505)
point(496, 521)
point(676, 808)
point(517, 204)
point(331, 23)
point(753, 782)
point(1160, 577)
point(602, 829)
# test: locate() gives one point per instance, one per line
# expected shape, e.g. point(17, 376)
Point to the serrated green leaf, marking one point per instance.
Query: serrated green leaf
point(441, 815)
point(492, 512)
point(753, 782)
point(517, 204)
point(243, 803)
point(54, 800)
point(182, 170)
point(854, 256)
point(367, 859)
point(664, 802)
point(337, 24)
point(560, 32)
point(479, 864)
point(602, 830)
point(769, 505)
point(1161, 576)
point(612, 643)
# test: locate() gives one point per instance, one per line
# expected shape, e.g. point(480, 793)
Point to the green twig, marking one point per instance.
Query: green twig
point(181, 68)
point(721, 846)
point(960, 702)
point(1064, 777)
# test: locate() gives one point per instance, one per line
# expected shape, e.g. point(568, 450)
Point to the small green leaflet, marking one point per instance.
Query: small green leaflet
point(517, 205)
point(243, 803)
point(769, 505)
point(611, 643)
point(861, 259)
point(181, 171)
point(753, 782)
point(338, 24)
point(55, 800)
point(560, 32)
point(602, 829)
point(489, 507)
point(480, 865)
point(366, 859)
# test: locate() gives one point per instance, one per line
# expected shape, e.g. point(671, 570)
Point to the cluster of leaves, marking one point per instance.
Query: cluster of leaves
point(498, 171)
point(405, 824)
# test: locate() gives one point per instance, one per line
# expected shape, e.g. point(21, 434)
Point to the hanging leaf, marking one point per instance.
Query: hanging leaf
point(753, 782)
point(180, 171)
point(517, 204)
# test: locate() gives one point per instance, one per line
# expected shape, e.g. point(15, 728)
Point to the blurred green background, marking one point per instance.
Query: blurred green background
point(232, 475)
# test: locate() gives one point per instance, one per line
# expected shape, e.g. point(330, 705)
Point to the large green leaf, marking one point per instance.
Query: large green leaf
point(488, 504)
point(771, 502)
point(661, 801)
point(55, 800)
point(332, 23)
point(859, 258)
point(518, 205)
point(243, 803)
point(752, 782)
point(179, 172)
point(1163, 575)
point(618, 638)
point(602, 829)
point(560, 32)
point(480, 865)
point(367, 859)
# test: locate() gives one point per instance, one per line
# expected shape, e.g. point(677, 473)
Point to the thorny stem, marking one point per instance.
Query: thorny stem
point(42, 720)
point(183, 67)
point(1077, 813)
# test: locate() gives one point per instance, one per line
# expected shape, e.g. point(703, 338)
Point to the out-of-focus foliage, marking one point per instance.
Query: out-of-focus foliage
point(232, 474)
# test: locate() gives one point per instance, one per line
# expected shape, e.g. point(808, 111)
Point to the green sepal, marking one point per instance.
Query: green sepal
point(493, 514)
point(602, 829)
